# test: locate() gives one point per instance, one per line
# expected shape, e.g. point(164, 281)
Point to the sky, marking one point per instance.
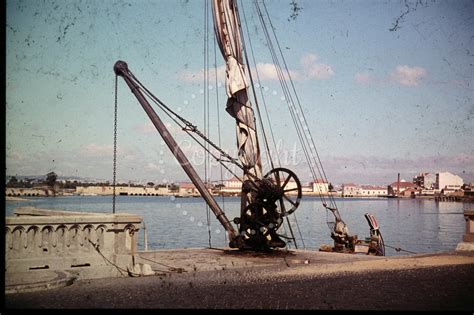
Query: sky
point(386, 86)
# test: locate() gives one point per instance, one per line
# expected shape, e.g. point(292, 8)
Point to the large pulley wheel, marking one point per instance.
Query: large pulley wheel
point(288, 187)
point(276, 195)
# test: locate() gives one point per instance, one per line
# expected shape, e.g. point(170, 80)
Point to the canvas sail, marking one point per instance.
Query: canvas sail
point(226, 25)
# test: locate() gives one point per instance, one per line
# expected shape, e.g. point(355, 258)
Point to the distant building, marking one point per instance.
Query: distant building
point(425, 180)
point(373, 191)
point(350, 190)
point(290, 185)
point(448, 181)
point(410, 191)
point(397, 188)
point(468, 189)
point(187, 189)
point(121, 190)
point(307, 188)
point(320, 186)
point(427, 192)
point(232, 186)
point(354, 190)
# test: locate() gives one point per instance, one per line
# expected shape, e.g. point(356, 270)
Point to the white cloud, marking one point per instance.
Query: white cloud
point(310, 69)
point(267, 71)
point(408, 76)
point(314, 70)
point(403, 75)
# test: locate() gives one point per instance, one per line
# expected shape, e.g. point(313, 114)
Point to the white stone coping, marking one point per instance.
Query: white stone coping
point(32, 211)
point(34, 216)
point(464, 246)
point(108, 218)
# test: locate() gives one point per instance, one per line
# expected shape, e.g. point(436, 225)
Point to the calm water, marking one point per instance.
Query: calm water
point(416, 225)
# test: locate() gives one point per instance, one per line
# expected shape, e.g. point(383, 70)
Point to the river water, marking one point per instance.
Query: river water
point(415, 225)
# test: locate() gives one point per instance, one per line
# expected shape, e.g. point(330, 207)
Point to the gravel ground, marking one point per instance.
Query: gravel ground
point(447, 287)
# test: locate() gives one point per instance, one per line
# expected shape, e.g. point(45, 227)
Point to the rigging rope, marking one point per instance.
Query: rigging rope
point(297, 113)
point(269, 156)
point(285, 92)
point(219, 128)
point(400, 249)
point(303, 120)
point(115, 145)
point(262, 96)
point(190, 128)
point(206, 109)
point(187, 127)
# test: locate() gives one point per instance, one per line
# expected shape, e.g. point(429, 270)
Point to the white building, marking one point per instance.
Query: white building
point(320, 186)
point(446, 180)
point(354, 190)
point(233, 185)
point(307, 189)
point(187, 189)
point(121, 190)
point(350, 190)
point(373, 191)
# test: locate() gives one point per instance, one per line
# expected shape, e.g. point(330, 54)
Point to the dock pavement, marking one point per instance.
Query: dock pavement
point(221, 278)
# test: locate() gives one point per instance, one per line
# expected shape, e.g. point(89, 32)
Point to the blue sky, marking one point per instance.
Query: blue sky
point(378, 101)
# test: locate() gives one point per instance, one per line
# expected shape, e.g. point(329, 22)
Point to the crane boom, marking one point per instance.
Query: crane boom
point(121, 69)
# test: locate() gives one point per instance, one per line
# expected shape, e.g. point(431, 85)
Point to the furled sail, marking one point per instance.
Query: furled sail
point(226, 25)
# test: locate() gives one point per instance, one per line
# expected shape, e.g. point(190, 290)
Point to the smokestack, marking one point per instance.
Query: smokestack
point(398, 184)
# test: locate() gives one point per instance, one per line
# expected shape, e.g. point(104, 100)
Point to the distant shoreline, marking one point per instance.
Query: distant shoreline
point(9, 198)
point(447, 198)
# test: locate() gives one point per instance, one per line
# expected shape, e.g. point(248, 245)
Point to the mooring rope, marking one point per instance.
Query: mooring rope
point(398, 249)
point(120, 269)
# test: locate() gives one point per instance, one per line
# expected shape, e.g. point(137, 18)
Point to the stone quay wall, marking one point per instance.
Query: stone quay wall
point(28, 192)
point(91, 245)
point(121, 190)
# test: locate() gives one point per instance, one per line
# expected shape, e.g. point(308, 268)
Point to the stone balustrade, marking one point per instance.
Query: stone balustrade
point(467, 243)
point(469, 235)
point(92, 243)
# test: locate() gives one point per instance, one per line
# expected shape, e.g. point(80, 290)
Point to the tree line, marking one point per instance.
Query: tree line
point(51, 180)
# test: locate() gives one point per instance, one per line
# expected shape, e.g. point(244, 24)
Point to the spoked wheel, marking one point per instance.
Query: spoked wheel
point(289, 189)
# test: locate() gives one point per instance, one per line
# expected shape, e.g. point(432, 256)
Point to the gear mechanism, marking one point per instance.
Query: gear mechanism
point(275, 196)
